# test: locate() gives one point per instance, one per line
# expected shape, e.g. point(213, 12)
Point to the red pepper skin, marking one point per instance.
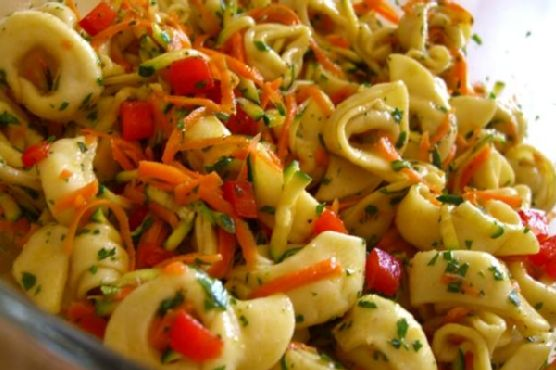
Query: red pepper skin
point(84, 316)
point(241, 124)
point(150, 255)
point(190, 76)
point(137, 120)
point(382, 272)
point(34, 154)
point(328, 221)
point(191, 339)
point(98, 19)
point(240, 195)
point(536, 221)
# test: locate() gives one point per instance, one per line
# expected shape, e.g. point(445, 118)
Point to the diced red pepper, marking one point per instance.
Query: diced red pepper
point(84, 316)
point(215, 93)
point(547, 252)
point(35, 153)
point(149, 255)
point(190, 76)
point(100, 18)
point(159, 331)
point(328, 221)
point(535, 220)
point(191, 339)
point(240, 194)
point(242, 124)
point(137, 120)
point(382, 272)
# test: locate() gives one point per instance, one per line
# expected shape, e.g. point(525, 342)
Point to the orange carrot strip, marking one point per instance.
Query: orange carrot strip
point(174, 268)
point(226, 88)
point(111, 31)
point(226, 248)
point(456, 314)
point(190, 258)
point(186, 101)
point(65, 174)
point(247, 243)
point(122, 220)
point(387, 151)
point(155, 234)
point(275, 13)
point(461, 73)
point(238, 67)
point(164, 214)
point(513, 200)
point(424, 147)
point(77, 198)
point(338, 41)
point(238, 47)
point(148, 170)
point(133, 193)
point(291, 110)
point(310, 274)
point(472, 166)
point(319, 96)
point(442, 130)
point(183, 193)
point(451, 155)
point(325, 61)
point(384, 9)
point(210, 191)
point(175, 140)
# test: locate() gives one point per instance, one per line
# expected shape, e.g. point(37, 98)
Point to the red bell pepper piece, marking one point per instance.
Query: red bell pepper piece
point(35, 153)
point(242, 124)
point(190, 76)
point(328, 221)
point(149, 255)
point(84, 316)
point(536, 221)
point(240, 194)
point(382, 272)
point(98, 19)
point(137, 120)
point(137, 216)
point(191, 339)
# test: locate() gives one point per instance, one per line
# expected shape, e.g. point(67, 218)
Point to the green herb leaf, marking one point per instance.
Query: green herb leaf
point(402, 327)
point(268, 209)
point(450, 199)
point(261, 46)
point(104, 253)
point(82, 147)
point(397, 115)
point(216, 296)
point(146, 71)
point(171, 302)
point(401, 139)
point(398, 164)
point(496, 273)
point(478, 40)
point(417, 345)
point(28, 280)
point(498, 233)
point(366, 304)
point(7, 119)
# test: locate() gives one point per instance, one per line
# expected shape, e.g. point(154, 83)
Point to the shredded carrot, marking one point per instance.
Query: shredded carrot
point(191, 258)
point(325, 61)
point(388, 151)
point(291, 110)
point(424, 147)
point(238, 67)
point(247, 243)
point(461, 73)
point(111, 31)
point(469, 360)
point(65, 174)
point(120, 216)
point(227, 89)
point(442, 130)
point(456, 314)
point(175, 268)
point(321, 157)
point(126, 154)
point(186, 101)
point(469, 170)
point(155, 234)
point(275, 13)
point(238, 48)
point(176, 138)
point(318, 96)
point(380, 7)
point(149, 170)
point(210, 191)
point(310, 274)
point(513, 200)
point(338, 41)
point(271, 93)
point(134, 193)
point(77, 198)
point(226, 248)
point(184, 192)
point(164, 214)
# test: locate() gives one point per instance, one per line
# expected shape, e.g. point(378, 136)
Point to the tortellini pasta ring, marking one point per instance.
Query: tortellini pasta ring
point(79, 74)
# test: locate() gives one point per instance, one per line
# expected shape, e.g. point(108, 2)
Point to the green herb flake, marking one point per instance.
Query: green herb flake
point(397, 115)
point(243, 320)
point(104, 253)
point(454, 287)
point(28, 280)
point(371, 210)
point(401, 139)
point(63, 106)
point(366, 304)
point(93, 269)
point(478, 40)
point(496, 273)
point(261, 46)
point(299, 318)
point(436, 160)
point(319, 209)
point(402, 327)
point(169, 303)
point(432, 261)
point(216, 296)
point(514, 299)
point(417, 345)
point(498, 233)
point(468, 244)
point(82, 147)
point(268, 209)
point(453, 199)
point(220, 164)
point(146, 71)
point(539, 305)
point(7, 119)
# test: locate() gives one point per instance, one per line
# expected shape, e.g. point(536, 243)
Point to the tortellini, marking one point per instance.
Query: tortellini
point(76, 73)
point(352, 129)
point(277, 50)
point(255, 333)
point(301, 356)
point(377, 333)
point(319, 301)
point(73, 157)
point(42, 267)
point(473, 279)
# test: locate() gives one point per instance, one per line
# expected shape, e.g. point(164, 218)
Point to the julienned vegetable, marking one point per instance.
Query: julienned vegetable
point(100, 18)
point(191, 339)
point(382, 272)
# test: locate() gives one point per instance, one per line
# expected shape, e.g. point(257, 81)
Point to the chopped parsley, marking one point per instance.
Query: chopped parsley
point(401, 139)
point(28, 280)
point(417, 345)
point(371, 210)
point(243, 320)
point(299, 318)
point(7, 119)
point(366, 304)
point(216, 296)
point(496, 273)
point(478, 40)
point(319, 209)
point(432, 261)
point(104, 253)
point(93, 269)
point(498, 233)
point(82, 147)
point(454, 287)
point(401, 331)
point(63, 105)
point(454, 199)
point(399, 164)
point(268, 209)
point(397, 115)
point(171, 302)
